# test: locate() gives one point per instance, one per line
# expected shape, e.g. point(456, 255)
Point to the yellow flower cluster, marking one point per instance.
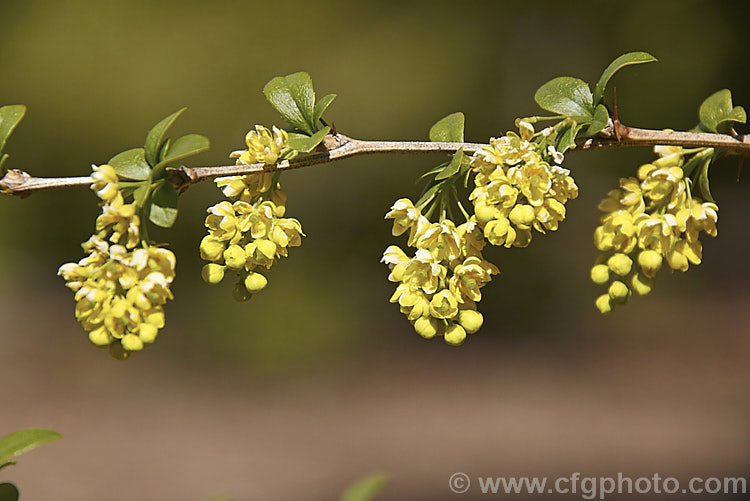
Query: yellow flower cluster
point(119, 289)
point(647, 221)
point(251, 232)
point(440, 286)
point(517, 189)
point(263, 146)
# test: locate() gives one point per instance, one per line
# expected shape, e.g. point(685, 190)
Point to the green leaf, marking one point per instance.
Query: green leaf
point(600, 122)
point(321, 106)
point(453, 167)
point(294, 98)
point(430, 192)
point(16, 443)
point(615, 66)
point(566, 96)
point(717, 113)
point(365, 489)
point(305, 144)
point(3, 158)
point(8, 492)
point(703, 181)
point(432, 171)
point(164, 149)
point(155, 137)
point(131, 164)
point(10, 116)
point(163, 205)
point(185, 146)
point(449, 129)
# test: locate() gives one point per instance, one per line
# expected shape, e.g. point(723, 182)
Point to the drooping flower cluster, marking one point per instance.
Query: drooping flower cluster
point(250, 233)
point(647, 221)
point(517, 188)
point(122, 284)
point(440, 285)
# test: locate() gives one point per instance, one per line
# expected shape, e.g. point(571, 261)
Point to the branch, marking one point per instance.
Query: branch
point(337, 147)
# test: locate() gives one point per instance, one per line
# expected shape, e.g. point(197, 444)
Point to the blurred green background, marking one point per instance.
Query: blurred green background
point(343, 384)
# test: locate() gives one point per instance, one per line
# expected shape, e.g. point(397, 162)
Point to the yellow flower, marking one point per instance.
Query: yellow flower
point(628, 197)
point(442, 240)
point(260, 252)
point(534, 179)
point(263, 146)
point(617, 233)
point(105, 182)
point(699, 217)
point(469, 276)
point(656, 232)
point(424, 271)
point(444, 304)
point(222, 222)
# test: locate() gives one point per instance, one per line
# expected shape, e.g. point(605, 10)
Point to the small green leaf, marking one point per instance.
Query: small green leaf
point(164, 149)
point(185, 146)
point(566, 96)
point(449, 129)
point(703, 183)
point(163, 205)
point(717, 113)
point(600, 122)
point(430, 192)
point(453, 167)
point(3, 158)
point(8, 492)
point(294, 98)
point(305, 144)
point(617, 64)
point(432, 171)
point(365, 489)
point(10, 116)
point(16, 443)
point(155, 137)
point(321, 106)
point(131, 164)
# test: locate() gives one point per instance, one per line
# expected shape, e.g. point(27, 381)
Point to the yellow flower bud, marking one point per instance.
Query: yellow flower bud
point(641, 285)
point(650, 262)
point(443, 305)
point(484, 213)
point(235, 257)
point(620, 264)
point(470, 320)
point(100, 336)
point(455, 335)
point(118, 352)
point(211, 248)
point(600, 274)
point(131, 342)
point(147, 333)
point(522, 215)
point(604, 304)
point(618, 292)
point(255, 282)
point(212, 273)
point(427, 327)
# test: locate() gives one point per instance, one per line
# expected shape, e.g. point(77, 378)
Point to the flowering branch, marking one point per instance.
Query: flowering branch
point(339, 146)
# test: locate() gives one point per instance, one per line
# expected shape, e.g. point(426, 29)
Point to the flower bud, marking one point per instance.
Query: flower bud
point(470, 320)
point(641, 285)
point(604, 304)
point(100, 336)
point(484, 213)
point(255, 282)
point(618, 292)
point(240, 293)
point(131, 342)
point(600, 274)
point(427, 327)
point(455, 335)
point(212, 273)
point(147, 333)
point(620, 264)
point(235, 257)
point(211, 249)
point(522, 215)
point(650, 262)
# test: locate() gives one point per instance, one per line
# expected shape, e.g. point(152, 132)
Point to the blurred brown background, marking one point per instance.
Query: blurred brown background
point(319, 380)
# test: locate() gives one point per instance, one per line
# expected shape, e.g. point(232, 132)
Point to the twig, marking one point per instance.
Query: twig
point(337, 147)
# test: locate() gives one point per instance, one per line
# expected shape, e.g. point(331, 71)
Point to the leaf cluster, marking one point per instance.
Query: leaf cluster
point(144, 170)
